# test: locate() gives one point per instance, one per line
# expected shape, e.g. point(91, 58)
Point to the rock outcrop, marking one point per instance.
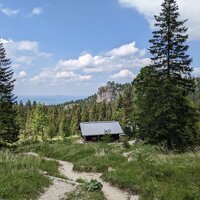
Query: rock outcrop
point(108, 93)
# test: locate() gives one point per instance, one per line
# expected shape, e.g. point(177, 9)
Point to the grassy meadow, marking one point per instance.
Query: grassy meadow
point(21, 177)
point(150, 172)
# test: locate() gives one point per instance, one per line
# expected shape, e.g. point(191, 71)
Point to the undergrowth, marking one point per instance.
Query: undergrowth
point(152, 173)
point(21, 176)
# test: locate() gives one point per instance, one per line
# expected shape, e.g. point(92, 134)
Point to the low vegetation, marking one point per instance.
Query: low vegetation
point(82, 194)
point(21, 176)
point(155, 175)
point(93, 185)
point(151, 172)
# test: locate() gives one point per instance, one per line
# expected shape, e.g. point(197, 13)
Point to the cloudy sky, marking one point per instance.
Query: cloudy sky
point(71, 47)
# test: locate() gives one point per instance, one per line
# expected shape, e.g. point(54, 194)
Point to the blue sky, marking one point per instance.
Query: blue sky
point(72, 47)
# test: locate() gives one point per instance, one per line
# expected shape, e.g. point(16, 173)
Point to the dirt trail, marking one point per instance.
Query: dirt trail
point(58, 188)
point(110, 192)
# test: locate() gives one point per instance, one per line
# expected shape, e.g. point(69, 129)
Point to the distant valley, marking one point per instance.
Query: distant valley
point(49, 100)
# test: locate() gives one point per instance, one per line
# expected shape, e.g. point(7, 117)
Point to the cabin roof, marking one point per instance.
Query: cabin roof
point(99, 128)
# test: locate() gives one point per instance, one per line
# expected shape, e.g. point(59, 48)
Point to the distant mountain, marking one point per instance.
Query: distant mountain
point(49, 100)
point(107, 93)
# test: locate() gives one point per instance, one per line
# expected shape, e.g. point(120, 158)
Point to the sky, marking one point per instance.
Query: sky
point(72, 47)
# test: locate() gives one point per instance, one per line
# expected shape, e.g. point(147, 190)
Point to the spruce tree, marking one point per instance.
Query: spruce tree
point(64, 126)
point(39, 121)
point(166, 115)
point(8, 127)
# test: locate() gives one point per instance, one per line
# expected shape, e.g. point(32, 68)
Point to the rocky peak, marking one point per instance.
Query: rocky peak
point(108, 93)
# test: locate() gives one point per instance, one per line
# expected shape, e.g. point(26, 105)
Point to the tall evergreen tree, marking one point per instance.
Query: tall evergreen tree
point(64, 126)
point(8, 127)
point(39, 121)
point(118, 111)
point(21, 119)
point(102, 111)
point(128, 106)
point(93, 116)
point(166, 114)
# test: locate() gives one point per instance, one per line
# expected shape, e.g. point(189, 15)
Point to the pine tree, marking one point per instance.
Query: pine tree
point(102, 111)
point(64, 126)
point(76, 119)
point(166, 115)
point(40, 121)
point(128, 106)
point(93, 115)
point(109, 111)
point(21, 116)
point(118, 110)
point(52, 129)
point(85, 114)
point(9, 130)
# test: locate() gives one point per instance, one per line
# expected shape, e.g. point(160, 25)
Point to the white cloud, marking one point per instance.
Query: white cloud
point(8, 11)
point(27, 53)
point(27, 58)
point(71, 76)
point(125, 59)
point(72, 64)
point(123, 74)
point(24, 53)
point(124, 56)
point(27, 45)
point(22, 75)
point(57, 77)
point(23, 45)
point(124, 50)
point(37, 11)
point(93, 70)
point(189, 9)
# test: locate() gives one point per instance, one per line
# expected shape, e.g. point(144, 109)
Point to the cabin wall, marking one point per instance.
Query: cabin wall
point(97, 138)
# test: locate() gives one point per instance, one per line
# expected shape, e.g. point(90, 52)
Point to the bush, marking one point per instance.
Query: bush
point(126, 145)
point(106, 138)
point(128, 130)
point(93, 185)
point(3, 145)
point(28, 142)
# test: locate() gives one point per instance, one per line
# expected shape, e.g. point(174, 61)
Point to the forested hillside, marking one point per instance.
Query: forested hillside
point(63, 120)
point(36, 120)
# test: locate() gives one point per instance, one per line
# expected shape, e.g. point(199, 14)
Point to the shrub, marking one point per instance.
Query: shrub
point(106, 138)
point(93, 185)
point(126, 145)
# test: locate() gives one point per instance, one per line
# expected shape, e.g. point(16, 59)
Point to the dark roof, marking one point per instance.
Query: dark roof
point(99, 128)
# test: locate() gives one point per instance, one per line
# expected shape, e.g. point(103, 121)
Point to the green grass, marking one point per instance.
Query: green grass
point(102, 155)
point(21, 177)
point(169, 177)
point(152, 173)
point(81, 194)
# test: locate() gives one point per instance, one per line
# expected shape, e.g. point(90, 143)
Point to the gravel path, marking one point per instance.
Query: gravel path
point(110, 192)
point(59, 188)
